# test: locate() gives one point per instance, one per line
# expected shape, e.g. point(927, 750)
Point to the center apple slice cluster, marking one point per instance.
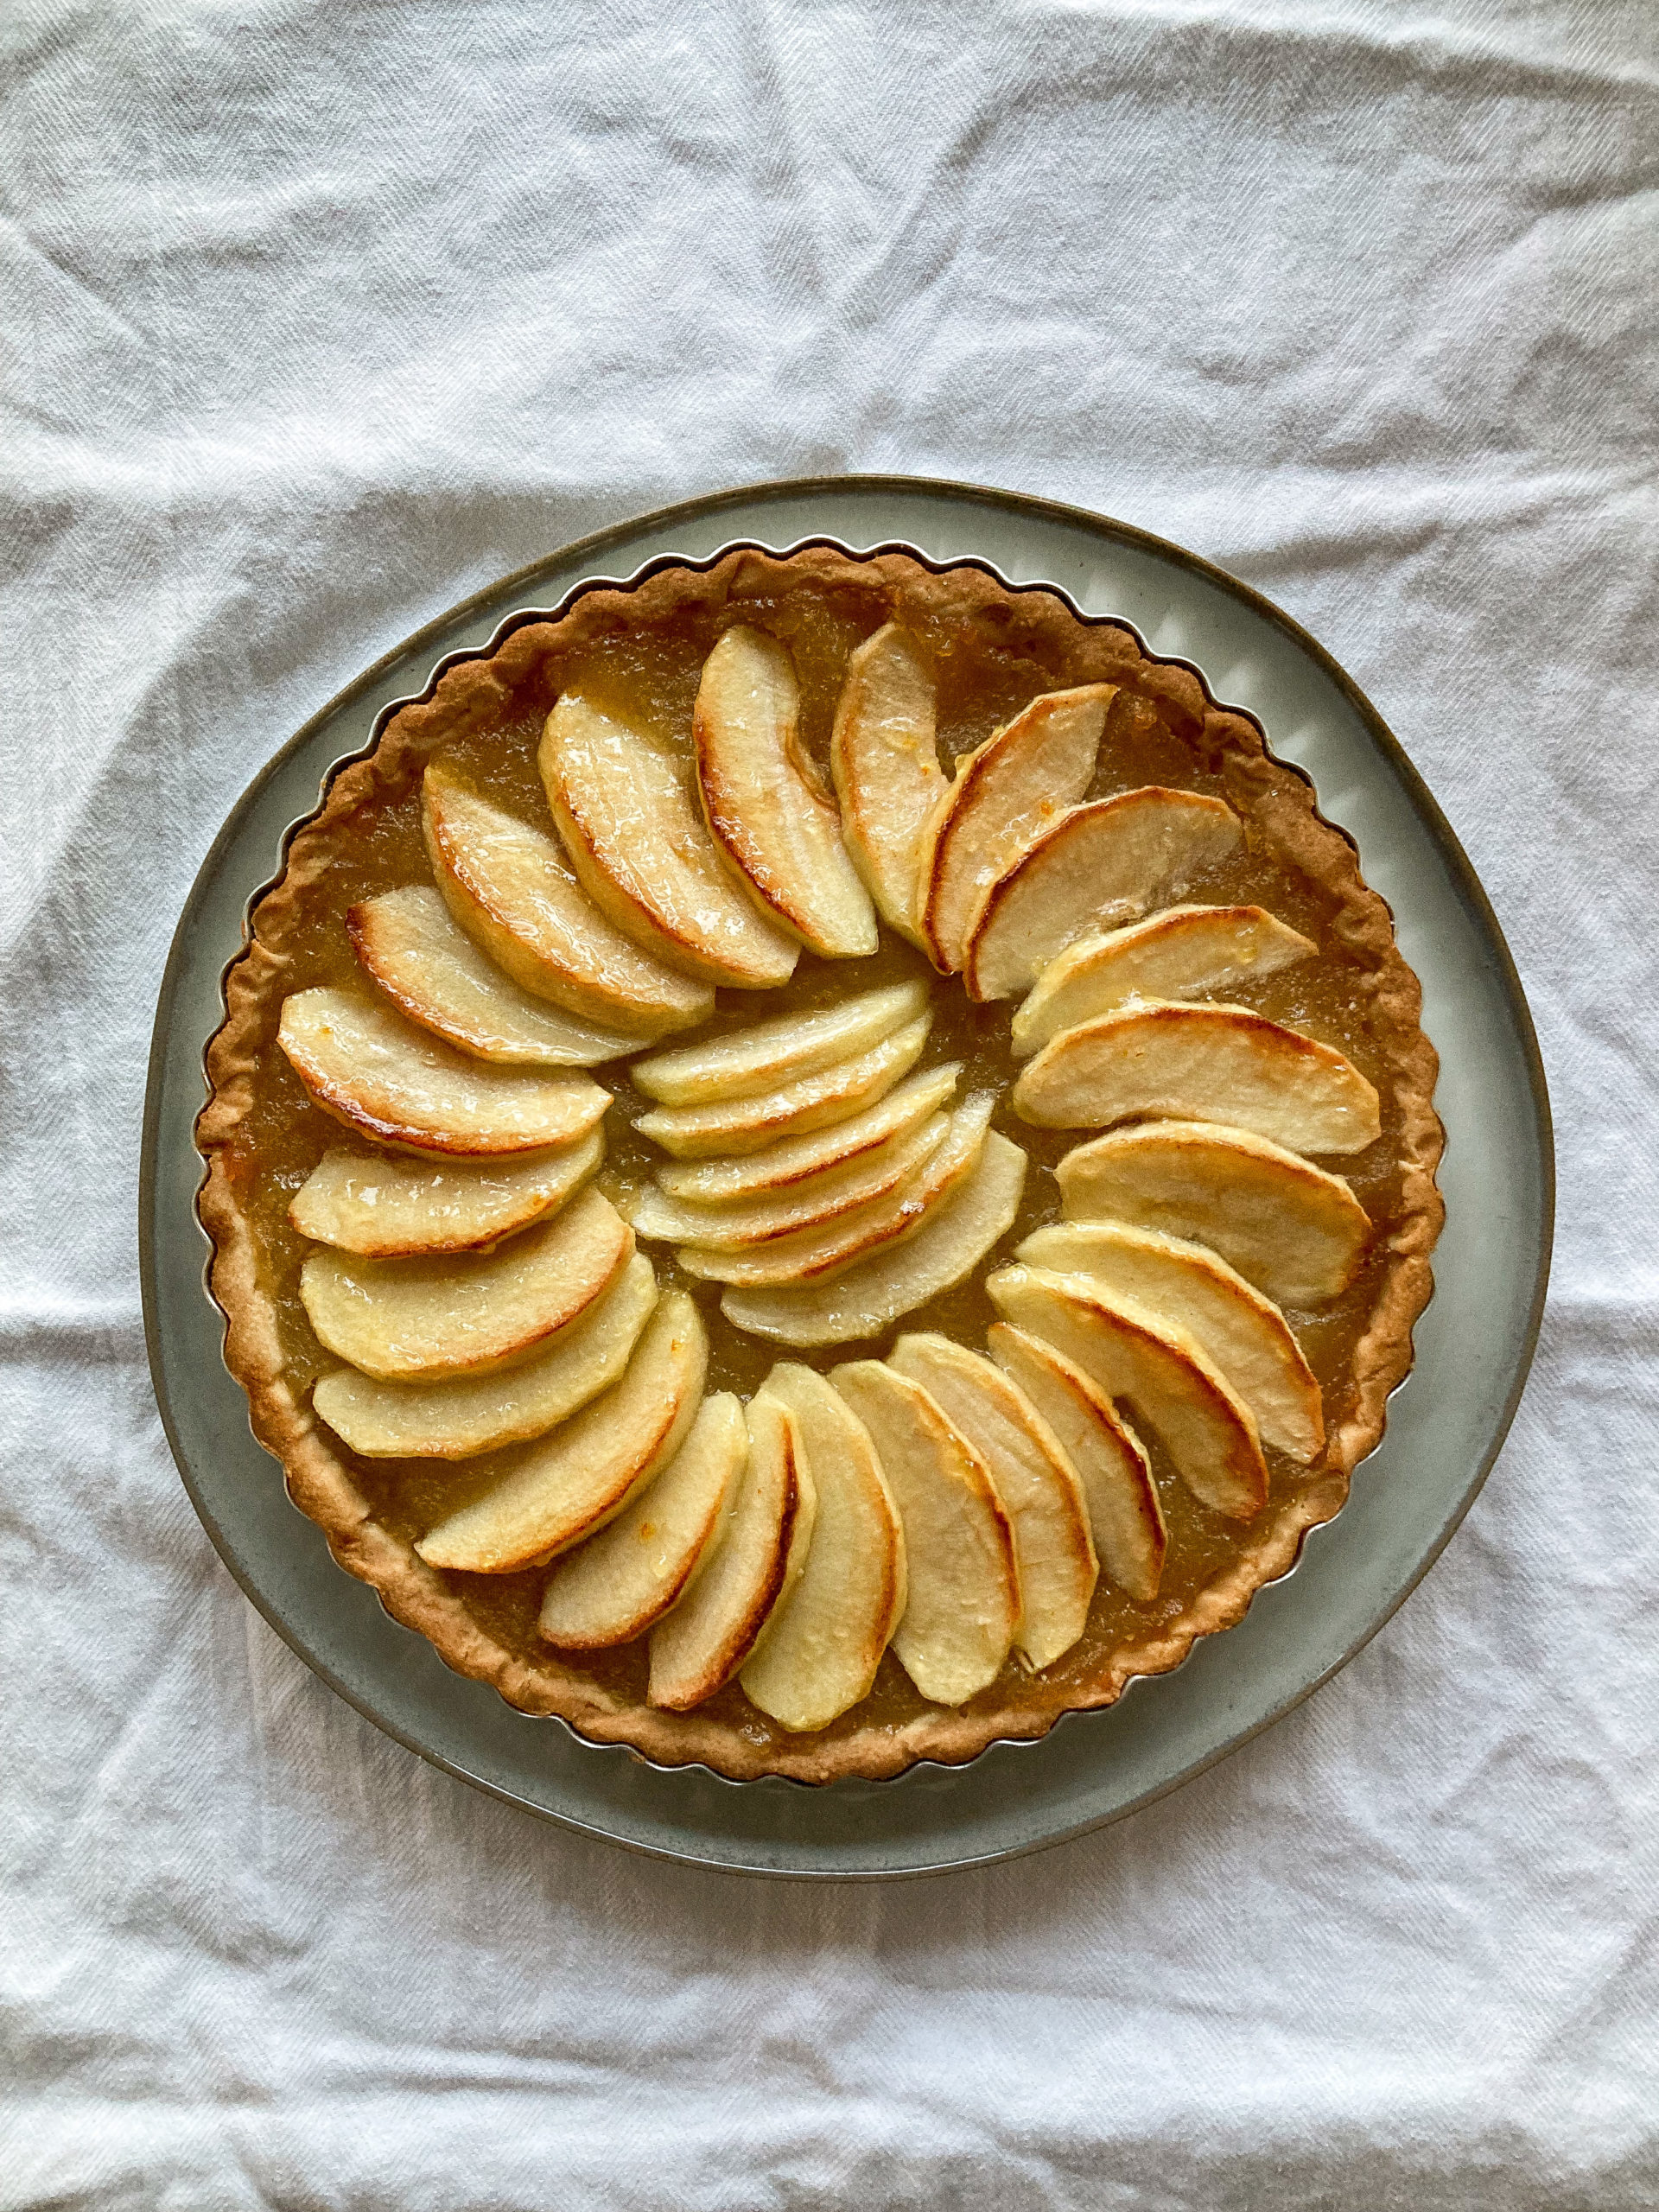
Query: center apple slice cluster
point(490, 1306)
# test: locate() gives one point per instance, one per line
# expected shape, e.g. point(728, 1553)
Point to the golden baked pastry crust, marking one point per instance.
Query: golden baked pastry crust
point(602, 1702)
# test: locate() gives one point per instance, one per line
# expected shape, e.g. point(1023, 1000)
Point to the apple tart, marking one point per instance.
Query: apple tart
point(815, 1162)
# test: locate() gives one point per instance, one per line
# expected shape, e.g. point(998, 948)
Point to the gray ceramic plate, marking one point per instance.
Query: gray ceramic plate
point(1445, 1425)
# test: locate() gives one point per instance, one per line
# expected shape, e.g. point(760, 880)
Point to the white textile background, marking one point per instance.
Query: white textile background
point(317, 314)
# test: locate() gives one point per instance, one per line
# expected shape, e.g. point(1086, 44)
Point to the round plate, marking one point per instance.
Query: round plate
point(1473, 1345)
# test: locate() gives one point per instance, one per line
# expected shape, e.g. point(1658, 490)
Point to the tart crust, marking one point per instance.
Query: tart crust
point(1281, 819)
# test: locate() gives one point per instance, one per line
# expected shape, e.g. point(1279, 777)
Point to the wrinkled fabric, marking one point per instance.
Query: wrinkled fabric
point(314, 318)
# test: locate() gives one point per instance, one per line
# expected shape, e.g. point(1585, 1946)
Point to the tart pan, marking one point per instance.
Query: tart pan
point(1446, 1424)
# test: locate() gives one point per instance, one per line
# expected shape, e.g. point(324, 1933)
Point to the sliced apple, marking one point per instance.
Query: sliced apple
point(621, 1582)
point(697, 1648)
point(824, 1641)
point(384, 1206)
point(871, 1297)
point(1293, 1230)
point(1111, 859)
point(513, 892)
point(884, 758)
point(1133, 1353)
point(1124, 1512)
point(622, 808)
point(379, 1074)
point(811, 1102)
point(963, 1603)
point(768, 1054)
point(1245, 1334)
point(818, 1255)
point(1007, 791)
point(1201, 1063)
point(796, 1162)
point(413, 1320)
point(457, 1419)
point(1182, 953)
point(553, 1493)
point(1053, 1550)
point(765, 803)
point(428, 966)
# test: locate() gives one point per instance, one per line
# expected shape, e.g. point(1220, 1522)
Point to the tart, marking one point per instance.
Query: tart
point(815, 1162)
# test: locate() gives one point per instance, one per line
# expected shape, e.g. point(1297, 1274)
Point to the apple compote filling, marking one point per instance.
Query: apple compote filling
point(817, 1163)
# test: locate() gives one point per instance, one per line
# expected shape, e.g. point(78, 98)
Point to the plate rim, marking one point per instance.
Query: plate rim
point(583, 553)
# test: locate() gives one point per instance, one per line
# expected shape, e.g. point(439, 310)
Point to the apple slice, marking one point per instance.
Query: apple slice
point(457, 1419)
point(569, 1484)
point(746, 1222)
point(369, 1068)
point(697, 1648)
point(765, 803)
point(824, 1641)
point(1244, 1334)
point(1007, 792)
point(1113, 858)
point(385, 1206)
point(1133, 1353)
point(1295, 1232)
point(818, 1255)
point(811, 1102)
point(884, 757)
point(1201, 1063)
point(513, 892)
point(1182, 953)
point(431, 970)
point(1124, 1511)
point(1053, 1551)
point(871, 1297)
point(796, 1162)
point(963, 1602)
point(413, 1320)
point(769, 1053)
point(621, 1582)
point(621, 806)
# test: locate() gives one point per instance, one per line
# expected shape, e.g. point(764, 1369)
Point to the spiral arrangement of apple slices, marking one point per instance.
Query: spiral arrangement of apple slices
point(491, 1308)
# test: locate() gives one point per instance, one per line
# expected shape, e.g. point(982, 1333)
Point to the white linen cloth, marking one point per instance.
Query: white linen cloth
point(316, 317)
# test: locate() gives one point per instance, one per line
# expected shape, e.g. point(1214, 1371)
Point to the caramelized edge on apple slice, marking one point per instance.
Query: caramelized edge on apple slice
point(884, 759)
point(796, 1162)
point(811, 1102)
point(384, 1206)
point(768, 1054)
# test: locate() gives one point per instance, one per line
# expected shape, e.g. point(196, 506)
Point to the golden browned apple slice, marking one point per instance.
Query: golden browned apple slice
point(1245, 1334)
point(457, 1419)
point(1201, 1063)
point(513, 892)
point(431, 970)
point(765, 803)
point(963, 1603)
point(698, 1647)
point(1053, 1550)
point(818, 1255)
point(1182, 953)
point(796, 1162)
point(1007, 791)
point(552, 1494)
point(1124, 1511)
point(621, 1582)
point(622, 807)
point(1133, 1353)
point(1111, 859)
point(746, 1222)
point(811, 1102)
point(768, 1054)
point(871, 1297)
point(413, 1320)
point(380, 1075)
point(824, 1641)
point(884, 758)
point(384, 1205)
point(1295, 1232)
